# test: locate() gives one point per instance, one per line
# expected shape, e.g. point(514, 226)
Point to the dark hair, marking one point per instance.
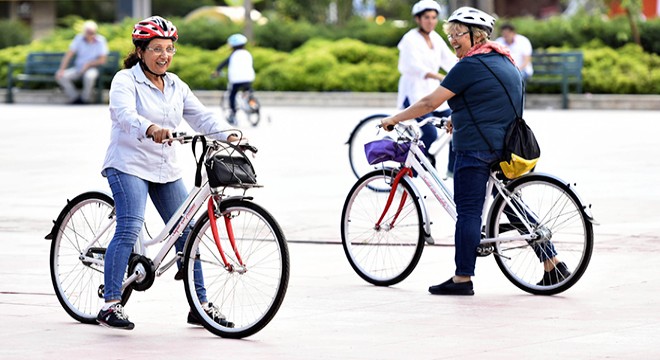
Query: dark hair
point(132, 58)
point(508, 26)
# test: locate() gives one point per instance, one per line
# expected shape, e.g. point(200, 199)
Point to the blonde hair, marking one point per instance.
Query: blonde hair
point(480, 36)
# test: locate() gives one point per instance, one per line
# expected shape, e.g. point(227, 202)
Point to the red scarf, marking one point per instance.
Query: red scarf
point(488, 47)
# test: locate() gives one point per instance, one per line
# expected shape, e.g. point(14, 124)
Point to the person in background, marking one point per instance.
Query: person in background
point(90, 50)
point(519, 47)
point(422, 52)
point(240, 72)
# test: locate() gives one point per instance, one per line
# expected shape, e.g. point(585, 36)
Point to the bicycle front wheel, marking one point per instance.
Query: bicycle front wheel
point(87, 221)
point(382, 253)
point(563, 232)
point(249, 291)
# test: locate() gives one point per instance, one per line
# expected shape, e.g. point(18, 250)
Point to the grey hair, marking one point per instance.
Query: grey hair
point(480, 35)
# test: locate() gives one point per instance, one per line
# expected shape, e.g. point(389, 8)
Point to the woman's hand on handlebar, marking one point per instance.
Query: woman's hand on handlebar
point(388, 123)
point(449, 126)
point(159, 135)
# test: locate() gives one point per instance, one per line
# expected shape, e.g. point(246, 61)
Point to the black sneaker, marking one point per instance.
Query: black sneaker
point(449, 287)
point(555, 276)
point(212, 311)
point(114, 318)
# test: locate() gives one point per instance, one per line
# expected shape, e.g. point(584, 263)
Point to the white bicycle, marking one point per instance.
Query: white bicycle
point(241, 247)
point(536, 216)
point(248, 108)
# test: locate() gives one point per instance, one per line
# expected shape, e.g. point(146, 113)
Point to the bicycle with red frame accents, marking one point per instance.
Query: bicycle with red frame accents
point(241, 248)
point(533, 217)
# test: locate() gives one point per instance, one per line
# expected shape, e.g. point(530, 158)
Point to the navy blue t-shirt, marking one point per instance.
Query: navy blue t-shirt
point(471, 81)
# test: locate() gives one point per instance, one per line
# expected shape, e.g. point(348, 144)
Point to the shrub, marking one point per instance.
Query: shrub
point(576, 31)
point(14, 33)
point(206, 33)
point(324, 65)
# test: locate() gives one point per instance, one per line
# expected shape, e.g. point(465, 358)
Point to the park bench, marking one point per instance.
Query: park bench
point(40, 67)
point(563, 69)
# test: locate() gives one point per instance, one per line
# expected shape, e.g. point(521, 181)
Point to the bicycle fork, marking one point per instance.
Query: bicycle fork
point(404, 197)
point(240, 268)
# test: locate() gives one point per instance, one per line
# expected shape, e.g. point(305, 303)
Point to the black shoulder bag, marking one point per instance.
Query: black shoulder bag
point(521, 150)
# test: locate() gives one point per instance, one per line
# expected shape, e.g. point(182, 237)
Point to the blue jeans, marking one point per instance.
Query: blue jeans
point(130, 195)
point(471, 172)
point(235, 88)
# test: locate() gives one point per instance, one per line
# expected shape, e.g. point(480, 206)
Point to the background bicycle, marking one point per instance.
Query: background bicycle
point(528, 220)
point(248, 107)
point(368, 129)
point(239, 246)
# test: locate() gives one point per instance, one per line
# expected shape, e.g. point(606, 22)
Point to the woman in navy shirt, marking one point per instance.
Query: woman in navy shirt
point(481, 114)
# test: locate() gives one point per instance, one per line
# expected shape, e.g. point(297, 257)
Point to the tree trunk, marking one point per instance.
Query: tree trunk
point(632, 19)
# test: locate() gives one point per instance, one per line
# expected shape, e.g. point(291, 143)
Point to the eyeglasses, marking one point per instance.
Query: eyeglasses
point(160, 50)
point(450, 37)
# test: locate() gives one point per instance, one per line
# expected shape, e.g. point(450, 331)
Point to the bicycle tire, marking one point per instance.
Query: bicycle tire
point(563, 221)
point(387, 255)
point(79, 286)
point(253, 110)
point(249, 300)
point(365, 131)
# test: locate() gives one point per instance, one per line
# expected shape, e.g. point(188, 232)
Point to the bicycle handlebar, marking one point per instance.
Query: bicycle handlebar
point(438, 122)
point(184, 138)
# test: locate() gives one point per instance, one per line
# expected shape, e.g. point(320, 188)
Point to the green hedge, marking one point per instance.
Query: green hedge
point(346, 64)
point(14, 33)
point(578, 31)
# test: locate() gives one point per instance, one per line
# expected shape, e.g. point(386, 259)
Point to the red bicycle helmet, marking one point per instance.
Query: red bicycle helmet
point(154, 27)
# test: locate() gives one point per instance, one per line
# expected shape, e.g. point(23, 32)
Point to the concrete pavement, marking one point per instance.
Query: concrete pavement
point(52, 152)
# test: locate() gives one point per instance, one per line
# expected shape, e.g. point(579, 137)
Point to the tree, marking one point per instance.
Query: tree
point(633, 9)
point(314, 11)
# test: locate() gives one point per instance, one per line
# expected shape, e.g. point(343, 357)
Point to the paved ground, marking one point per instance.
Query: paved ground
point(50, 153)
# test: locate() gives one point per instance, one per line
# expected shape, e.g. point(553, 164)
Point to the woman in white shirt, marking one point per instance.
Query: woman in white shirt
point(147, 102)
point(422, 52)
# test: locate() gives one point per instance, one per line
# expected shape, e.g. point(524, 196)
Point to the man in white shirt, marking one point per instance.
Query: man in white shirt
point(520, 48)
point(91, 51)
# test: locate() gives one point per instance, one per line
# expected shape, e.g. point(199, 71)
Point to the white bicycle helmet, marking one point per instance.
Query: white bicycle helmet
point(424, 5)
point(471, 16)
point(237, 40)
point(154, 27)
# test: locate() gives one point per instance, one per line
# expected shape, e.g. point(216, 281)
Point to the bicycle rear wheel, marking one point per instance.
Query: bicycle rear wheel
point(558, 218)
point(87, 219)
point(253, 110)
point(249, 296)
point(382, 255)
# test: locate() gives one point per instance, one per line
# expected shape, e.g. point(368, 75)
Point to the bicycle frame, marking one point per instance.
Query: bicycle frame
point(416, 160)
point(172, 231)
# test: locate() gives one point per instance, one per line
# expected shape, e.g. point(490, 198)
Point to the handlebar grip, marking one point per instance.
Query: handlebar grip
point(248, 147)
point(389, 127)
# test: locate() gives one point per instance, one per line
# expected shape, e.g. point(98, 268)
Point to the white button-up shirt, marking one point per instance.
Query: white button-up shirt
point(416, 59)
point(135, 104)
